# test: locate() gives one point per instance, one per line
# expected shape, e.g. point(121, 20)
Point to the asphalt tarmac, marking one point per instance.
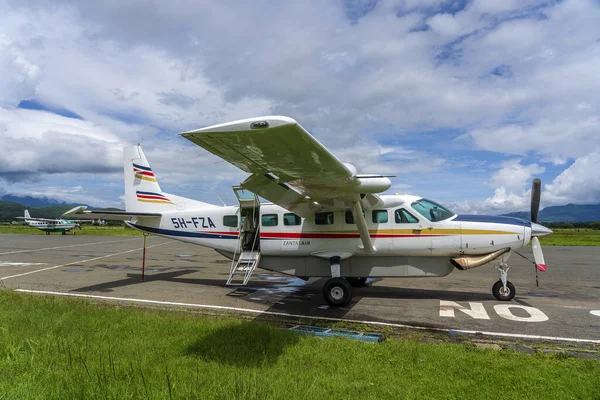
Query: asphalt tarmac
point(565, 307)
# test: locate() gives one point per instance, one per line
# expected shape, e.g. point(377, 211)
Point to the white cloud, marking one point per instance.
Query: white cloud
point(19, 77)
point(39, 143)
point(446, 25)
point(523, 80)
point(513, 176)
point(580, 183)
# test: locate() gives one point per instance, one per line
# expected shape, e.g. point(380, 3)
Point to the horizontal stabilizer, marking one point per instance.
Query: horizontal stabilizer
point(83, 212)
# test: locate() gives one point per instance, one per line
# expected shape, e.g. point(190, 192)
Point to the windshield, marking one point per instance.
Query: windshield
point(431, 210)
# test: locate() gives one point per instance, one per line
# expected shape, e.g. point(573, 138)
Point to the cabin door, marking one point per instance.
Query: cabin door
point(249, 217)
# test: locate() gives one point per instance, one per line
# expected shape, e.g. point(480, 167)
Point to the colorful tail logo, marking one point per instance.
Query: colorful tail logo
point(144, 173)
point(150, 197)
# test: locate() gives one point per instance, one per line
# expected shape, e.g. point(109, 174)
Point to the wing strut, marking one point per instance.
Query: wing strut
point(362, 226)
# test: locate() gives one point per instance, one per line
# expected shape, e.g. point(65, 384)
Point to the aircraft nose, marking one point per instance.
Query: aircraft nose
point(539, 230)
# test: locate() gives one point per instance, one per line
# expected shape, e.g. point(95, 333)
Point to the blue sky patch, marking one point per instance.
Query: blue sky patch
point(36, 105)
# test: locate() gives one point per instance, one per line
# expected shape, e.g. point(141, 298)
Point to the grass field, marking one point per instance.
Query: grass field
point(572, 237)
point(85, 230)
point(58, 348)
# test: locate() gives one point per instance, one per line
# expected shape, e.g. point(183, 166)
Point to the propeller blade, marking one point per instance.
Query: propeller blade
point(536, 191)
point(538, 255)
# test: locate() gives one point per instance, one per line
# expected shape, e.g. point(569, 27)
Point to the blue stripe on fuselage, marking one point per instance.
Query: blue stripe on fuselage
point(170, 232)
point(492, 219)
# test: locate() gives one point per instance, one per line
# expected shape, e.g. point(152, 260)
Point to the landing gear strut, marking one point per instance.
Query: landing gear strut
point(503, 290)
point(337, 291)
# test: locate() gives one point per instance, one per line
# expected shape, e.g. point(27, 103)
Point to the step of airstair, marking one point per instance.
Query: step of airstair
point(243, 268)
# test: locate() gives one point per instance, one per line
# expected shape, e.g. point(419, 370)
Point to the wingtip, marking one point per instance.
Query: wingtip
point(75, 210)
point(242, 125)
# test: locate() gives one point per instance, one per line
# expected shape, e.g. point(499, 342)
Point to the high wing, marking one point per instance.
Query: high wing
point(291, 168)
point(82, 212)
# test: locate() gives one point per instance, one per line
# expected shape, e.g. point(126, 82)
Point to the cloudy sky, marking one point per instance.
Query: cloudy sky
point(465, 101)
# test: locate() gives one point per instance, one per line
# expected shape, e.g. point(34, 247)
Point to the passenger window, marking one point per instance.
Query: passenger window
point(380, 216)
point(324, 218)
point(230, 220)
point(269, 220)
point(404, 217)
point(290, 219)
point(349, 217)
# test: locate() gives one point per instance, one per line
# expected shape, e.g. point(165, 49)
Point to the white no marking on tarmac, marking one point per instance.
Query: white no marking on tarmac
point(64, 247)
point(80, 261)
point(253, 311)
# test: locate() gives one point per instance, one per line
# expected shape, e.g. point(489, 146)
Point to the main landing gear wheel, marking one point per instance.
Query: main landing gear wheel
point(357, 282)
point(503, 294)
point(337, 292)
point(63, 233)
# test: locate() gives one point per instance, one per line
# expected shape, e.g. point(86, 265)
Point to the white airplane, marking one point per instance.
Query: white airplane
point(49, 225)
point(324, 219)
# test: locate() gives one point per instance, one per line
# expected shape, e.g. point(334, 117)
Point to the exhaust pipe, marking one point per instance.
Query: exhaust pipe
point(467, 262)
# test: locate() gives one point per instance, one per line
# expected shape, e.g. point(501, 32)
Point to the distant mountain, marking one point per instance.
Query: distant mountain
point(39, 207)
point(30, 201)
point(568, 213)
point(10, 210)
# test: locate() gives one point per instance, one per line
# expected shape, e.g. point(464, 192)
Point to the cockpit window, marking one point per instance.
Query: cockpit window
point(431, 210)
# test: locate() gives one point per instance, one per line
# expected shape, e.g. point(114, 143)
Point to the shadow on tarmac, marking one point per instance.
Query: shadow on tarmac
point(299, 297)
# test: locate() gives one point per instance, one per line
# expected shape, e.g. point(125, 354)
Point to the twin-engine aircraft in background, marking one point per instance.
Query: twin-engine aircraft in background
point(50, 225)
point(324, 220)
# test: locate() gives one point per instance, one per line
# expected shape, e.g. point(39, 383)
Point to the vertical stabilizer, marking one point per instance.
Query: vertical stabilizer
point(27, 214)
point(142, 191)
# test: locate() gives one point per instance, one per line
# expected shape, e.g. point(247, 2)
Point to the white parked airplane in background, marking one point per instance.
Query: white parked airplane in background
point(324, 219)
point(49, 225)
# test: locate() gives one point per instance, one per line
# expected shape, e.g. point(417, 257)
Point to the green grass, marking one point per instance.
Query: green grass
point(572, 237)
point(85, 230)
point(60, 348)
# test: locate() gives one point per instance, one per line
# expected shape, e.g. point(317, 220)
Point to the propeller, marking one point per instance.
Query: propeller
point(536, 192)
point(536, 229)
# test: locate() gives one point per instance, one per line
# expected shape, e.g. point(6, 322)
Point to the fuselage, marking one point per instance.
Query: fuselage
point(55, 226)
point(402, 230)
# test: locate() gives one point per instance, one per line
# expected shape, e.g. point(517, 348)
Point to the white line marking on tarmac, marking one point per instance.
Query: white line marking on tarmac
point(64, 247)
point(18, 264)
point(595, 312)
point(80, 261)
point(253, 311)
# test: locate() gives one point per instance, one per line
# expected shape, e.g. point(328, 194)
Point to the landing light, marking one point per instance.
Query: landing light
point(259, 125)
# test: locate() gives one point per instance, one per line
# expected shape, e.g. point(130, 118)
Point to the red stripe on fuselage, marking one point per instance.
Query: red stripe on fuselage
point(291, 235)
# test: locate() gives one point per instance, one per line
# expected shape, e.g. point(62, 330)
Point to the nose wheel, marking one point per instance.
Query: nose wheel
point(503, 290)
point(502, 293)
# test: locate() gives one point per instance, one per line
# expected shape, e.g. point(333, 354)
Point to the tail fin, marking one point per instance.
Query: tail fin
point(142, 191)
point(27, 214)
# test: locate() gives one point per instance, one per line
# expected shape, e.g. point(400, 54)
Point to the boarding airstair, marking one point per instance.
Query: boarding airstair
point(248, 246)
point(243, 268)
